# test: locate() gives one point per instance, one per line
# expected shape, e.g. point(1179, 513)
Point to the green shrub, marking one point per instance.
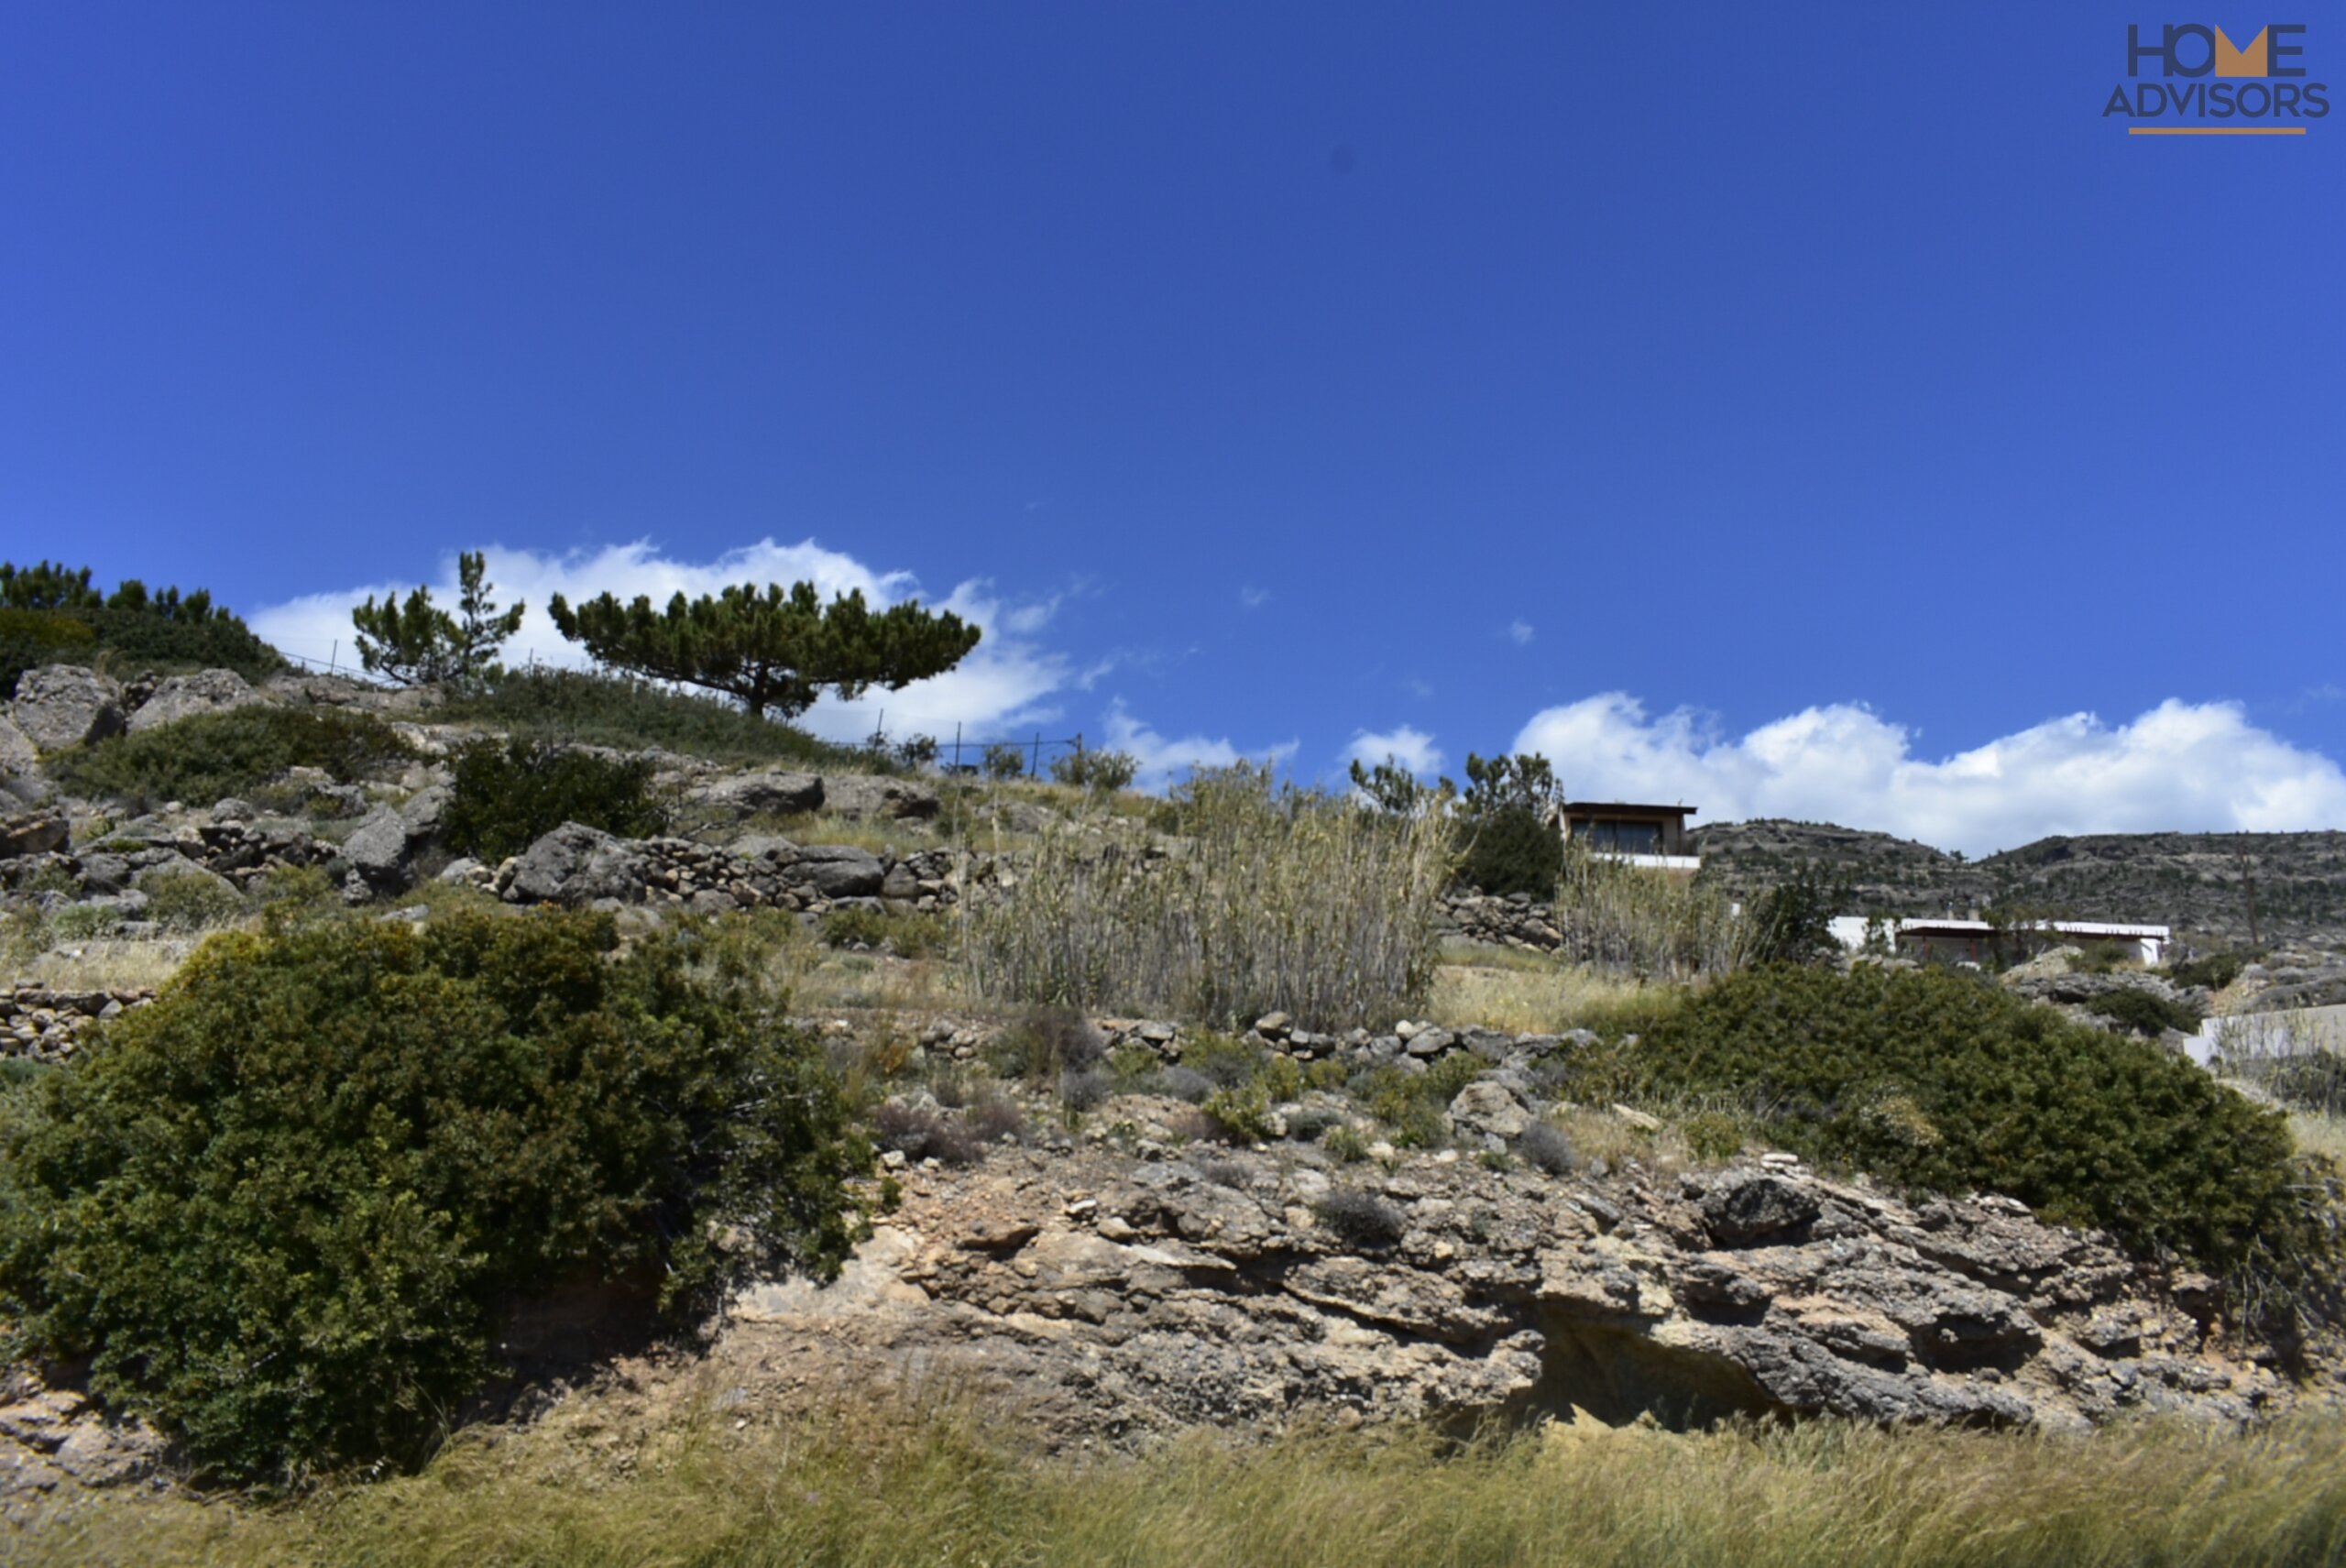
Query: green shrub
point(1361, 1220)
point(1506, 841)
point(907, 936)
point(1049, 1043)
point(1281, 1077)
point(1243, 1115)
point(1510, 851)
point(1414, 1104)
point(1344, 1144)
point(1713, 1138)
point(625, 713)
point(1943, 1081)
point(50, 614)
point(1005, 762)
point(504, 798)
point(2145, 1013)
point(191, 901)
point(2214, 971)
point(32, 638)
point(142, 640)
point(1106, 770)
point(283, 1210)
point(1221, 1058)
point(214, 755)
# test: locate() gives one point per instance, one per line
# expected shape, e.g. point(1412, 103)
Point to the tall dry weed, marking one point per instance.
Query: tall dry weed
point(1272, 897)
point(1626, 919)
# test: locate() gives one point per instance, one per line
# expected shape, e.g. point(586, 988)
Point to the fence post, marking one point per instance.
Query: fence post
point(1034, 767)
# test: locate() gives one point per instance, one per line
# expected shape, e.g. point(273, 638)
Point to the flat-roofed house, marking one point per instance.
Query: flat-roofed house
point(1653, 837)
point(1950, 940)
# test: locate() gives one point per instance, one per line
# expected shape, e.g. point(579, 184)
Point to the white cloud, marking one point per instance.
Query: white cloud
point(1253, 598)
point(1161, 759)
point(1519, 632)
point(2180, 767)
point(1413, 748)
point(1001, 683)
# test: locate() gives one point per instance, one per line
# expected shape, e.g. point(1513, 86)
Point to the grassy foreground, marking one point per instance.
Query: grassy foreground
point(856, 1489)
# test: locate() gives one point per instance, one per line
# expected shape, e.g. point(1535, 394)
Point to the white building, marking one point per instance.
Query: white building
point(1975, 941)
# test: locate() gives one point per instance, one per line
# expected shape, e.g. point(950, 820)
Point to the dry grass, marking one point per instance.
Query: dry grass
point(1626, 920)
point(1278, 898)
point(1524, 994)
point(106, 963)
point(2318, 1132)
point(853, 1487)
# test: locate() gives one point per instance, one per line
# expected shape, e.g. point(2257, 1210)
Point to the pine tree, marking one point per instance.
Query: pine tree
point(418, 643)
point(774, 648)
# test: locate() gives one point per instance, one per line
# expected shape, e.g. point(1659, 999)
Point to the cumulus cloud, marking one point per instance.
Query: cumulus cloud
point(1519, 632)
point(1161, 759)
point(1411, 747)
point(2182, 767)
point(1004, 683)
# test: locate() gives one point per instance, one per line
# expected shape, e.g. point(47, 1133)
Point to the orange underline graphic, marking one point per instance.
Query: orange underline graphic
point(2215, 130)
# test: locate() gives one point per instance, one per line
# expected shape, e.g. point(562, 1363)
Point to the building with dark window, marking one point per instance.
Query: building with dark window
point(1650, 836)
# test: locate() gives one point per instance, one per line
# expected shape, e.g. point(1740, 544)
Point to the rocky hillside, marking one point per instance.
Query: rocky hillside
point(2198, 883)
point(1115, 1288)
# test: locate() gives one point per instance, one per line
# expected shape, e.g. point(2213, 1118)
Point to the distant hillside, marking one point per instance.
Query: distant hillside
point(2193, 881)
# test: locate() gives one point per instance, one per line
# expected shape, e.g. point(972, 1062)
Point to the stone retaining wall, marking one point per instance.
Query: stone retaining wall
point(47, 1025)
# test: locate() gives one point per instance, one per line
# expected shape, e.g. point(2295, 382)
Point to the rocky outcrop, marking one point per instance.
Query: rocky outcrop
point(31, 833)
point(379, 856)
point(64, 705)
point(186, 697)
point(575, 864)
point(871, 795)
point(1513, 921)
point(1113, 1299)
point(749, 794)
point(18, 755)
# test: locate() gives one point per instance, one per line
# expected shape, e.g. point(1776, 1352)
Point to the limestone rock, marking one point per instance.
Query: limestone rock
point(1487, 1107)
point(185, 696)
point(869, 794)
point(377, 850)
point(18, 755)
point(31, 833)
point(782, 795)
point(65, 705)
point(577, 864)
point(1743, 1207)
point(840, 871)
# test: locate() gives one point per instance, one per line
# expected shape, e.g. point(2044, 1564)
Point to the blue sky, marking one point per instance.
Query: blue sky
point(1814, 410)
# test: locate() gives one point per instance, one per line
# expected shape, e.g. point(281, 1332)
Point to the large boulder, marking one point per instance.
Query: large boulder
point(1487, 1107)
point(64, 705)
point(750, 795)
point(31, 833)
point(869, 795)
point(18, 755)
point(840, 871)
point(578, 864)
point(185, 696)
point(1747, 1208)
point(379, 849)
